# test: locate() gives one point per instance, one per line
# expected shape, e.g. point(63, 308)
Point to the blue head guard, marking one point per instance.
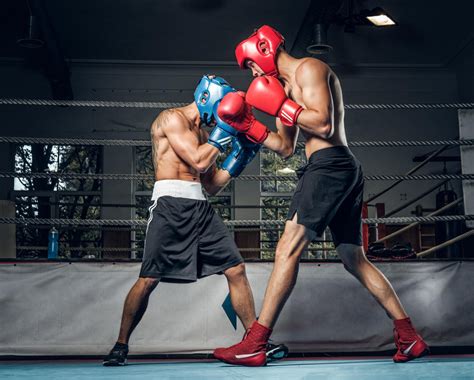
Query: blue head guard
point(209, 92)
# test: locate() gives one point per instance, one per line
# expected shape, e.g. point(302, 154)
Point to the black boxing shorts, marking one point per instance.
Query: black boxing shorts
point(330, 193)
point(185, 239)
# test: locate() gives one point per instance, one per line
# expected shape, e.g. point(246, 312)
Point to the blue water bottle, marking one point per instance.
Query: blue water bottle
point(53, 237)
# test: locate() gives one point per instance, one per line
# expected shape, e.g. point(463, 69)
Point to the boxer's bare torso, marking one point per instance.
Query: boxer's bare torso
point(166, 162)
point(311, 67)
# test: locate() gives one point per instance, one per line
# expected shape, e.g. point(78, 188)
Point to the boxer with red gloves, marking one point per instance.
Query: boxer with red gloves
point(305, 95)
point(234, 110)
point(268, 95)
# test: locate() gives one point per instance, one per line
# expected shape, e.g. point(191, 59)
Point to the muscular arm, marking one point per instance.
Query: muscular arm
point(283, 141)
point(186, 143)
point(318, 115)
point(214, 180)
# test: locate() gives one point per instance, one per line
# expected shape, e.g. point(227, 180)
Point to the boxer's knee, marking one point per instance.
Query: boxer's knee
point(292, 243)
point(353, 258)
point(284, 252)
point(289, 249)
point(236, 272)
point(147, 284)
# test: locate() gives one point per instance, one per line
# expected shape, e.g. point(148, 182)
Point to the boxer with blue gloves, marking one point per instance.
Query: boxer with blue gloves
point(243, 151)
point(186, 240)
point(207, 96)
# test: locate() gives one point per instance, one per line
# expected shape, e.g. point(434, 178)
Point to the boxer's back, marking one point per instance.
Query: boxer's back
point(166, 162)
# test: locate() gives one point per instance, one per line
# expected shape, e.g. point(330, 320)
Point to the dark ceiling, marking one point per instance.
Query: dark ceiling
point(429, 32)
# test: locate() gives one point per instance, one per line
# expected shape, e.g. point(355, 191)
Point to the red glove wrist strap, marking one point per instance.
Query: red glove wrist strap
point(258, 132)
point(289, 112)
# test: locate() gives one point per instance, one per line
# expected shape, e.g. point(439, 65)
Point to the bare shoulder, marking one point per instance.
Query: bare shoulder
point(312, 64)
point(311, 69)
point(171, 118)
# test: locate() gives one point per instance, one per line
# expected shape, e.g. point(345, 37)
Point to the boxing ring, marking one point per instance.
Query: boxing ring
point(454, 368)
point(354, 343)
point(70, 299)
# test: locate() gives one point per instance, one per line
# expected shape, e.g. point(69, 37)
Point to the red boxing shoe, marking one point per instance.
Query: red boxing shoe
point(410, 345)
point(251, 351)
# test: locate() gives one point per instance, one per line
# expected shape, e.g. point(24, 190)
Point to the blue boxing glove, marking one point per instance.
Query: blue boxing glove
point(221, 135)
point(243, 151)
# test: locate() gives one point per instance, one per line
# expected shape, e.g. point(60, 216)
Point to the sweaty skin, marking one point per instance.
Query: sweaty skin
point(180, 149)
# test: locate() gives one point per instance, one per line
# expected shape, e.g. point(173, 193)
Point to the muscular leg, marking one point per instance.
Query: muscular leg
point(369, 275)
point(253, 349)
point(241, 294)
point(285, 271)
point(135, 306)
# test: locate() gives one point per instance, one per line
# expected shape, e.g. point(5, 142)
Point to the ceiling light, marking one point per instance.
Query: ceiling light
point(379, 17)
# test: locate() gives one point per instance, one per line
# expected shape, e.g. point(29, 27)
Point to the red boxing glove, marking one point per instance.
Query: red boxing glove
point(268, 95)
point(234, 111)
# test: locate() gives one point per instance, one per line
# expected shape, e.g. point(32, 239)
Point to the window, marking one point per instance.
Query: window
point(273, 164)
point(275, 199)
point(144, 166)
point(57, 158)
point(57, 198)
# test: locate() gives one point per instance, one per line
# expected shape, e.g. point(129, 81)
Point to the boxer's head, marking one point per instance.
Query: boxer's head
point(208, 94)
point(259, 51)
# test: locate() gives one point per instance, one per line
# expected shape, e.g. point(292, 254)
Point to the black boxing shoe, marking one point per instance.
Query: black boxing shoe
point(276, 351)
point(117, 356)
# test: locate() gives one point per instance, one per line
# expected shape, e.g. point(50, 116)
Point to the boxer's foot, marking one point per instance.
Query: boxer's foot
point(117, 356)
point(251, 351)
point(410, 345)
point(276, 351)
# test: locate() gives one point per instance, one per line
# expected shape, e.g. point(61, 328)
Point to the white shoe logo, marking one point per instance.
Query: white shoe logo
point(244, 356)
point(407, 351)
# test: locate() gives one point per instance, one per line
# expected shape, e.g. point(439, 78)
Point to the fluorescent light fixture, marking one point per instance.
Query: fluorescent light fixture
point(379, 17)
point(381, 20)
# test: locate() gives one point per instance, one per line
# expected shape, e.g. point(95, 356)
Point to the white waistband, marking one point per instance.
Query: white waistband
point(178, 189)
